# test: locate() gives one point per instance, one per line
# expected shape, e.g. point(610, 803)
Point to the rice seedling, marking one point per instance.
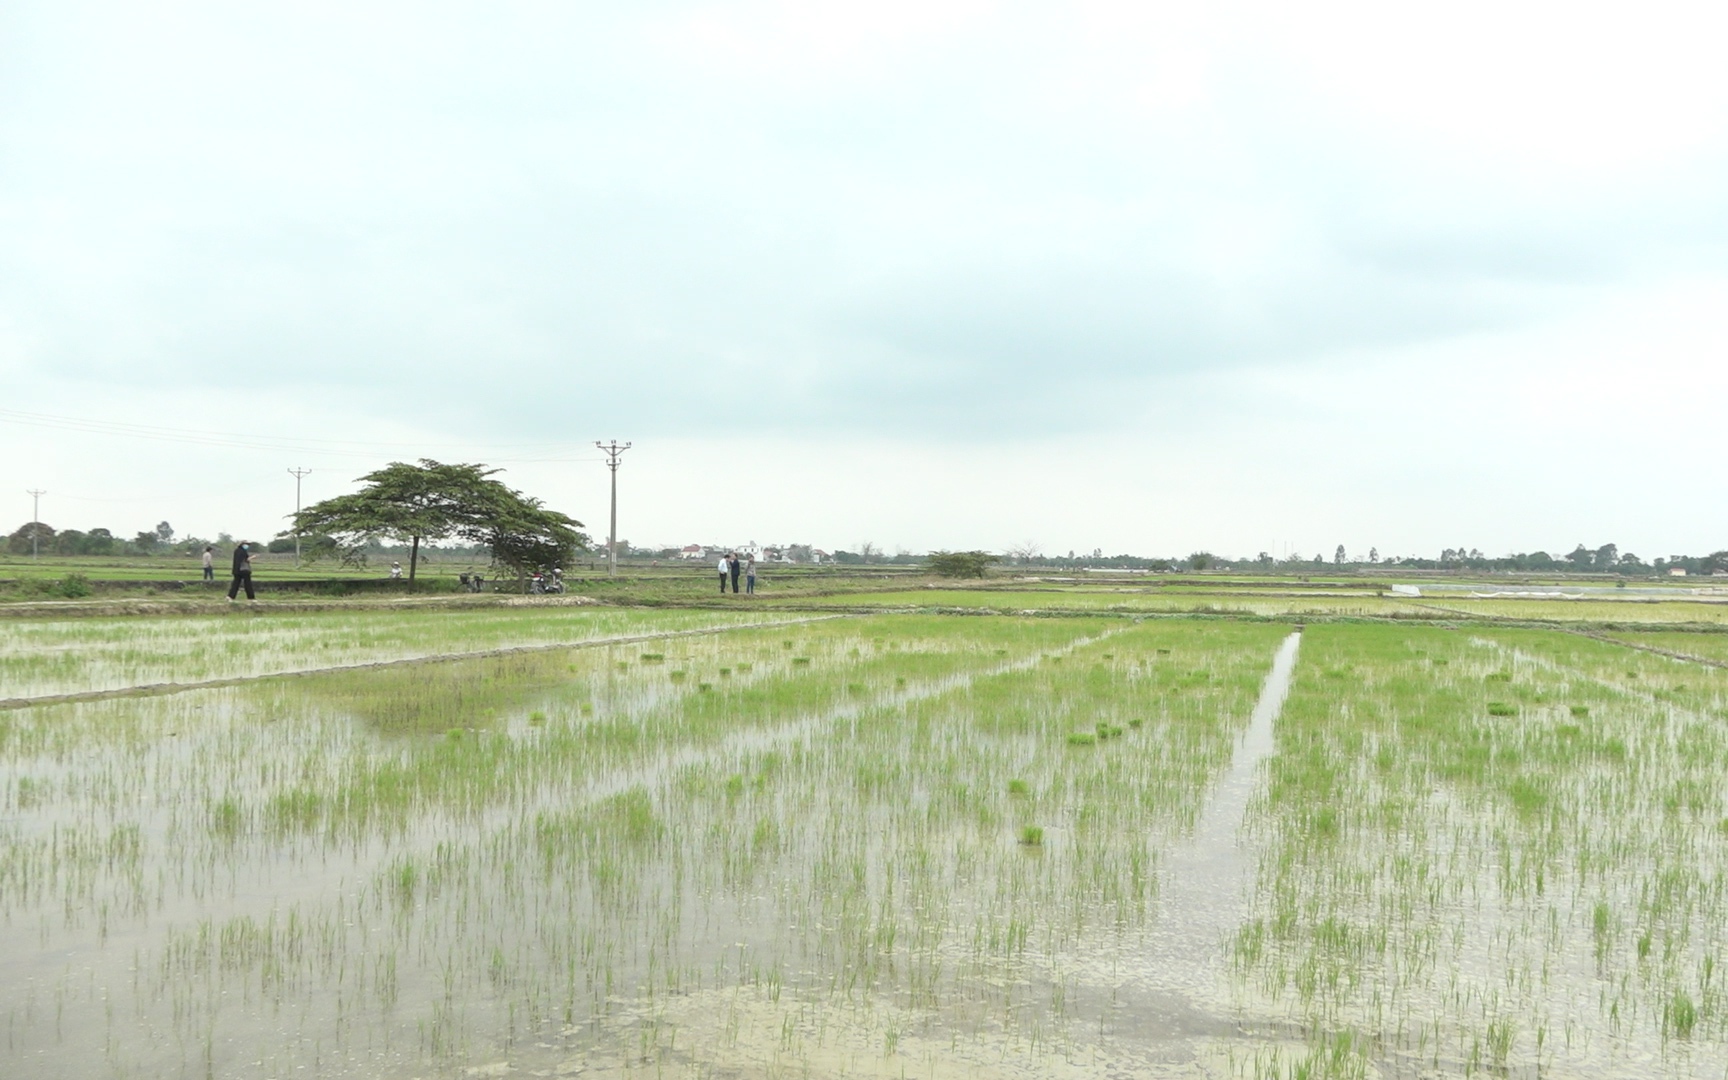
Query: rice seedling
point(1460, 876)
point(488, 852)
point(531, 862)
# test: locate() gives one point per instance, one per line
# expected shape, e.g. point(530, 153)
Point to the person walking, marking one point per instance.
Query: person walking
point(736, 567)
point(750, 576)
point(242, 573)
point(209, 563)
point(724, 560)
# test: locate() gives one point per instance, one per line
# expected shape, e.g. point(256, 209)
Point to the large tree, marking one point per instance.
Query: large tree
point(433, 501)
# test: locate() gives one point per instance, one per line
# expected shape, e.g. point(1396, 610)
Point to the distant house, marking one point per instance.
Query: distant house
point(690, 551)
point(1676, 571)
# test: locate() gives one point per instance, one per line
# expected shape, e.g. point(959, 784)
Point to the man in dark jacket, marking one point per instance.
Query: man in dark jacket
point(242, 573)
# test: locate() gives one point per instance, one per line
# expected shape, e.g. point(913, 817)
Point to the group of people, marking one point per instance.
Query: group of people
point(731, 566)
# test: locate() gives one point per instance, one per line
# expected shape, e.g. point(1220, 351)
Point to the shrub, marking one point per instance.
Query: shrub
point(72, 586)
point(960, 564)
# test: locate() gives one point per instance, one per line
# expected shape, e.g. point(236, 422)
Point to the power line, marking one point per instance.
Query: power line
point(338, 448)
point(613, 452)
point(35, 520)
point(297, 473)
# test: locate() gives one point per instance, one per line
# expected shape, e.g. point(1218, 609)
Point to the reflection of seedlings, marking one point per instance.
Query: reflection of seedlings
point(1031, 835)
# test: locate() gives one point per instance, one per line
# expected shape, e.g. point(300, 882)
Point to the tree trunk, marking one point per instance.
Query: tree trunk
point(413, 562)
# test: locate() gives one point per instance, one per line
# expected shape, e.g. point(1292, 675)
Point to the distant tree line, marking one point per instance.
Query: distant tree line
point(158, 541)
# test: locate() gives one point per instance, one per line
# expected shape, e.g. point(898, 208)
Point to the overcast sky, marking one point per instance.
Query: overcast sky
point(1139, 277)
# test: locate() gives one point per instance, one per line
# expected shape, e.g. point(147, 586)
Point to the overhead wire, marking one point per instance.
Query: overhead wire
point(329, 448)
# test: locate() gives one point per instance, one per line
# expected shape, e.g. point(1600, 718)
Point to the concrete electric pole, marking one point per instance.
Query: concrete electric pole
point(297, 473)
point(613, 452)
point(35, 520)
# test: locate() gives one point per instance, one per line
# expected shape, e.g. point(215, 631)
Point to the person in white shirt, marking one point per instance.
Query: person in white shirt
point(209, 563)
point(724, 561)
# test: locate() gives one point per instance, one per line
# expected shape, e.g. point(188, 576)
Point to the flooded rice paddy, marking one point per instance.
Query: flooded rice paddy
point(896, 845)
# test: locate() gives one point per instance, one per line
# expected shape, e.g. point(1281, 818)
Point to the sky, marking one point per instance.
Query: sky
point(1139, 277)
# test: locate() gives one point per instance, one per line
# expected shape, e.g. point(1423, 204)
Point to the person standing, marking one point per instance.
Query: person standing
point(750, 576)
point(724, 561)
point(209, 563)
point(242, 573)
point(736, 567)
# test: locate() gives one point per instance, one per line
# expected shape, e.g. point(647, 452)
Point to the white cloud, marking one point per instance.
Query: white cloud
point(1183, 240)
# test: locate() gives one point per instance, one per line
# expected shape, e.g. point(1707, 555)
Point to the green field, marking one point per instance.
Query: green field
point(619, 842)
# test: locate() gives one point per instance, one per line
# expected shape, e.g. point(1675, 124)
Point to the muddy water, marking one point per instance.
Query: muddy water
point(830, 882)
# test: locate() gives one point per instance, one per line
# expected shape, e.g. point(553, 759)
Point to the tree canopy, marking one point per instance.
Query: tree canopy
point(435, 501)
point(960, 564)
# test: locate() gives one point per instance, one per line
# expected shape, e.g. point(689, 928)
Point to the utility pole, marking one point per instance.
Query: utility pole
point(35, 520)
point(613, 452)
point(297, 473)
